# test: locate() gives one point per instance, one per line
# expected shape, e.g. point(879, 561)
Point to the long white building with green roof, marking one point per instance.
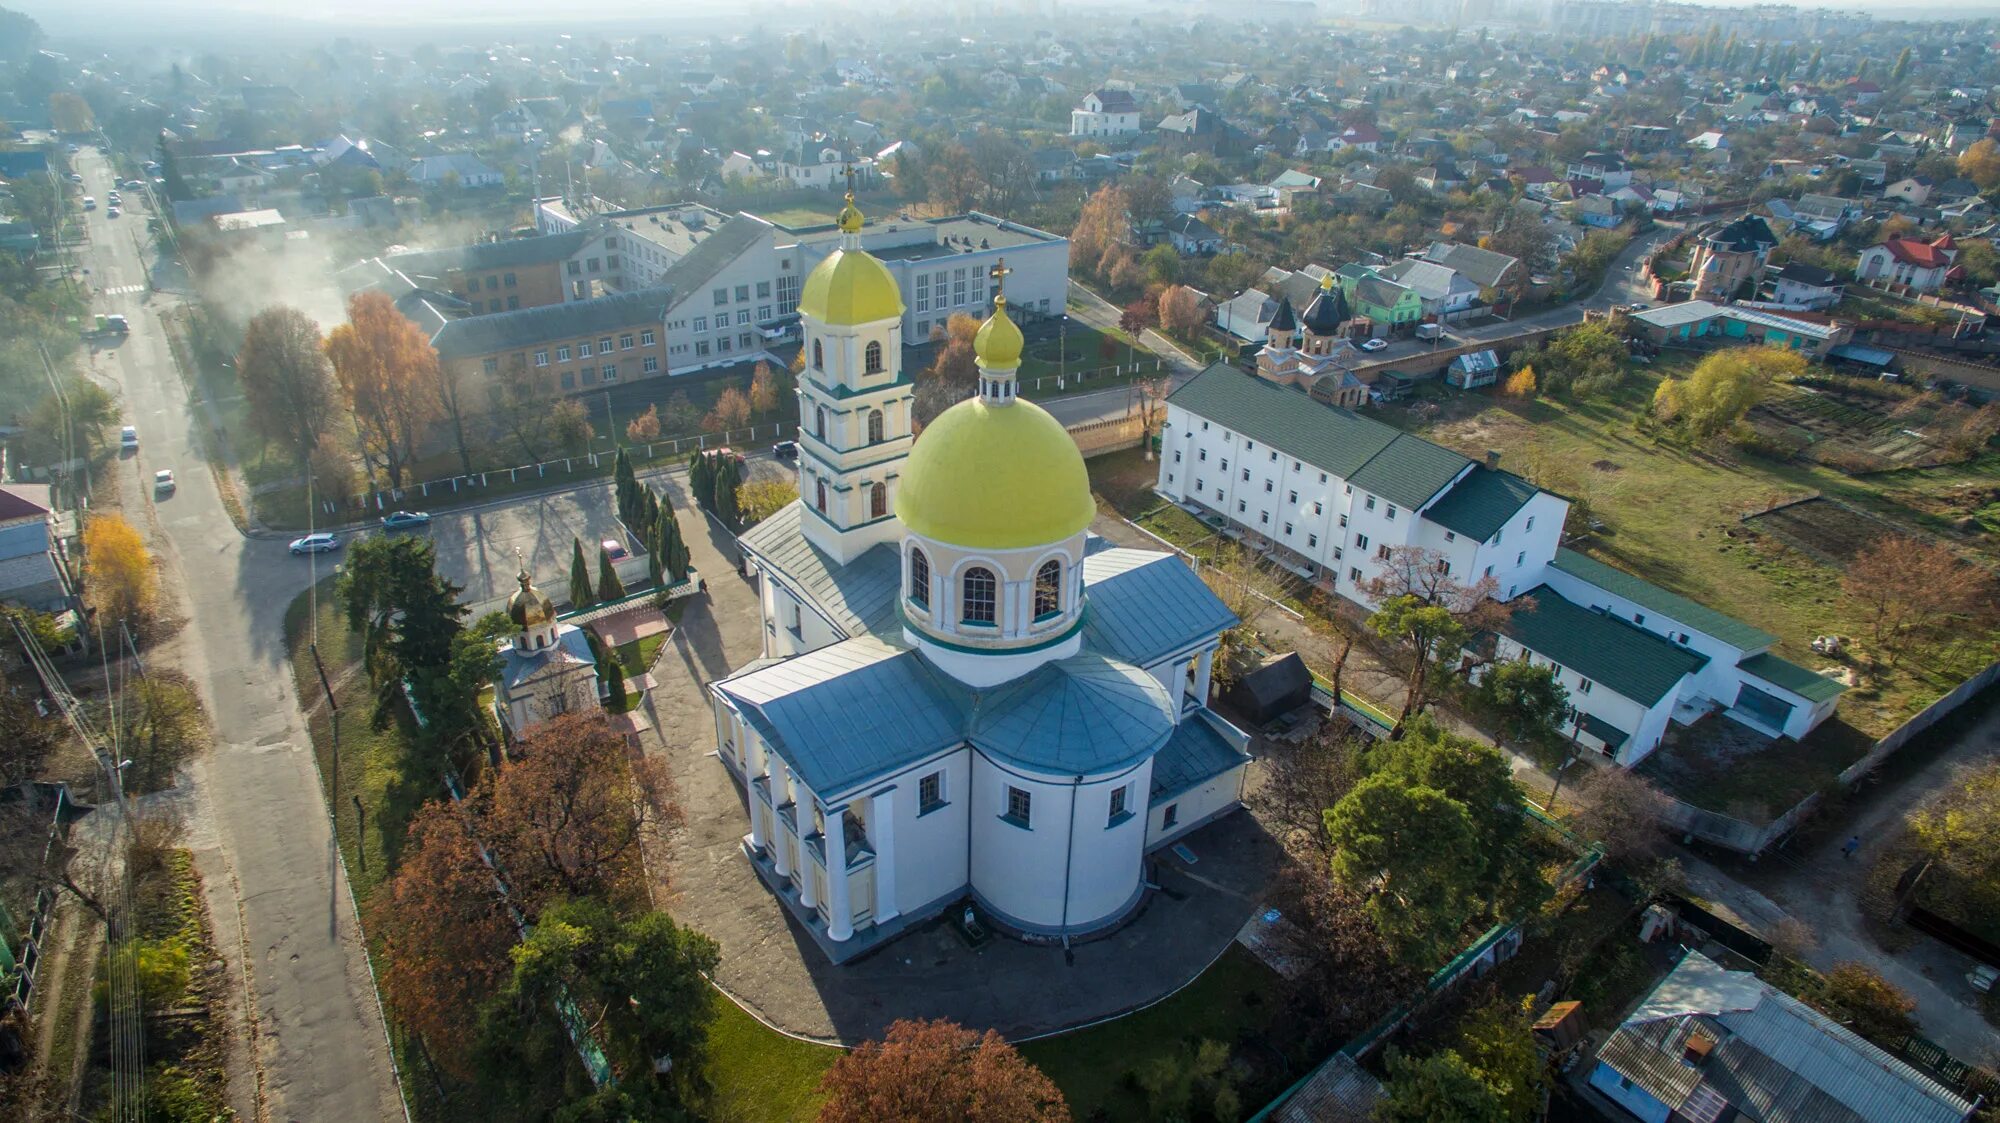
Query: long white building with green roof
point(965, 698)
point(1331, 493)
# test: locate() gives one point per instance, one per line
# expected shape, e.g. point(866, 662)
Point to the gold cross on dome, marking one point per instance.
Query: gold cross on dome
point(999, 273)
point(850, 181)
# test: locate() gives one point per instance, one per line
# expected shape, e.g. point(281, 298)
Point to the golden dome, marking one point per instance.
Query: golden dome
point(995, 477)
point(849, 219)
point(998, 344)
point(530, 607)
point(850, 287)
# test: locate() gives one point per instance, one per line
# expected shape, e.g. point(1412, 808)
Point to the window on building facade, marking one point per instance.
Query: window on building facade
point(625, 342)
point(575, 268)
point(595, 266)
point(1521, 559)
point(1354, 575)
point(742, 292)
point(611, 261)
point(878, 500)
point(930, 792)
point(493, 305)
point(701, 323)
point(874, 426)
point(1312, 540)
point(819, 495)
point(701, 347)
point(819, 356)
point(1370, 503)
point(1117, 807)
point(763, 289)
point(610, 372)
point(721, 297)
point(646, 338)
point(541, 358)
point(819, 422)
point(977, 599)
point(742, 317)
point(1048, 589)
point(722, 345)
point(569, 380)
point(1170, 816)
point(650, 364)
point(920, 579)
point(763, 312)
point(1392, 511)
point(583, 349)
point(1020, 806)
point(490, 366)
point(562, 354)
point(604, 346)
point(1361, 542)
point(1382, 552)
point(871, 361)
point(513, 302)
point(492, 283)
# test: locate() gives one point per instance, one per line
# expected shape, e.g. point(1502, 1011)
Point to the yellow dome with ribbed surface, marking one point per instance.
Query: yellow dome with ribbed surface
point(995, 477)
point(998, 343)
point(850, 287)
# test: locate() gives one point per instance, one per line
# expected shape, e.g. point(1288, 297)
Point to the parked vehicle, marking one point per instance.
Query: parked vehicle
point(315, 543)
point(163, 481)
point(786, 450)
point(1374, 344)
point(614, 549)
point(117, 324)
point(89, 202)
point(128, 437)
point(401, 520)
point(114, 212)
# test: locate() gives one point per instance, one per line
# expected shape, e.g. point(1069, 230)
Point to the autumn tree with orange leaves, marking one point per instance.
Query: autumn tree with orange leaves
point(566, 817)
point(389, 372)
point(445, 932)
point(118, 577)
point(928, 1070)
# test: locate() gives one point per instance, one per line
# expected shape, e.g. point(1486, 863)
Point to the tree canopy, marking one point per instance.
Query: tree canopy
point(923, 1071)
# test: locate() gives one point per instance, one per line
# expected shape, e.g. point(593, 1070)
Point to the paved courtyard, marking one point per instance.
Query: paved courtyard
point(771, 965)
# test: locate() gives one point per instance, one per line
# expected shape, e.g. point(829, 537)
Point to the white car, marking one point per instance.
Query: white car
point(128, 437)
point(1373, 344)
point(163, 481)
point(315, 544)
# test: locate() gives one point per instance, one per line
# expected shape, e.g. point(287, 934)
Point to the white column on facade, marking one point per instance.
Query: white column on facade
point(760, 840)
point(781, 791)
point(839, 917)
point(808, 893)
point(1202, 671)
point(882, 825)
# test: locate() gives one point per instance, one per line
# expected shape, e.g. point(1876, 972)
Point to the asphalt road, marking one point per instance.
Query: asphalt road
point(267, 842)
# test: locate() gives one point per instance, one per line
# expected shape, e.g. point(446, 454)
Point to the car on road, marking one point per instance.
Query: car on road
point(786, 450)
point(1373, 344)
point(75, 177)
point(402, 520)
point(73, 149)
point(163, 481)
point(116, 324)
point(114, 212)
point(128, 437)
point(89, 202)
point(613, 549)
point(133, 185)
point(315, 543)
point(1637, 307)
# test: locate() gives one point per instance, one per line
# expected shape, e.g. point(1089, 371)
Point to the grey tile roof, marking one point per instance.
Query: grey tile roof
point(1082, 715)
point(691, 274)
point(550, 323)
point(850, 710)
point(1779, 672)
point(1142, 606)
point(1195, 754)
point(1614, 653)
point(1775, 1059)
point(1697, 617)
point(1481, 503)
point(860, 597)
point(1401, 468)
point(1480, 266)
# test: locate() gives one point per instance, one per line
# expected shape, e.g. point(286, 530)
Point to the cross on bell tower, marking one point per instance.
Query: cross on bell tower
point(999, 273)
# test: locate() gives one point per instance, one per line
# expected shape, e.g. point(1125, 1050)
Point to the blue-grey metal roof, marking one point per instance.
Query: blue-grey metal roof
point(859, 597)
point(1196, 753)
point(1083, 715)
point(851, 710)
point(1774, 1058)
point(1142, 606)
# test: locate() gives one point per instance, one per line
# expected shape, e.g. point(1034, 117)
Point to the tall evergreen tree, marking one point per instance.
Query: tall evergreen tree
point(580, 595)
point(1902, 66)
point(1812, 65)
point(609, 587)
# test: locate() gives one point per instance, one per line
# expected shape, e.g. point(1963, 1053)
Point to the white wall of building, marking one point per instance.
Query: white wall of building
point(1018, 871)
point(1644, 725)
point(1192, 808)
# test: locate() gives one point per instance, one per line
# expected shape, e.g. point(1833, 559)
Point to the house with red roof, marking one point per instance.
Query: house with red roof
point(1920, 265)
point(34, 570)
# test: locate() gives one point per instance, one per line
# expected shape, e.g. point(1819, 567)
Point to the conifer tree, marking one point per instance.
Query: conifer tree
point(579, 577)
point(609, 587)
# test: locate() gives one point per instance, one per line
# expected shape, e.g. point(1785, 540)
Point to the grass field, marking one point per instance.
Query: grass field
point(1675, 515)
point(760, 1075)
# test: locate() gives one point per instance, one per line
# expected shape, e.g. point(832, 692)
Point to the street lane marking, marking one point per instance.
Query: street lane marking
point(120, 290)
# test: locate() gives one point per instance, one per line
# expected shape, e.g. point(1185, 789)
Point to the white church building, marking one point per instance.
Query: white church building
point(965, 697)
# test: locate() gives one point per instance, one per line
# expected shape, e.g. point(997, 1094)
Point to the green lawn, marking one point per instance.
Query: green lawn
point(1673, 515)
point(760, 1075)
point(1081, 348)
point(637, 657)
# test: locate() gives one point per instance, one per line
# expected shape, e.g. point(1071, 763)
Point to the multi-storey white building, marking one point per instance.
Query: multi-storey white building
point(1332, 494)
point(1105, 113)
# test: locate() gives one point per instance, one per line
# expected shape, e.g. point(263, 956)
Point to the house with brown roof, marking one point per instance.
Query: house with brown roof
point(1923, 266)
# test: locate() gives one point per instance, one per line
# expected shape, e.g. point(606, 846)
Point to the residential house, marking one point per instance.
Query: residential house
point(1366, 138)
point(1923, 266)
point(1198, 130)
point(1594, 210)
point(1105, 113)
point(1443, 292)
point(1391, 306)
point(1799, 285)
point(1730, 257)
point(1190, 235)
point(1914, 190)
point(1607, 169)
point(1710, 1043)
point(35, 570)
point(466, 169)
point(1246, 314)
point(1485, 268)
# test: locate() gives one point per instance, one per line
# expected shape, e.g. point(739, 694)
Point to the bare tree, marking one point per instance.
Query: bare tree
point(1913, 593)
point(1302, 781)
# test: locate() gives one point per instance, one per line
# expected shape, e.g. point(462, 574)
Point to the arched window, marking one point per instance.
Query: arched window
point(819, 422)
point(976, 607)
point(874, 426)
point(920, 579)
point(871, 359)
point(1048, 589)
point(820, 494)
point(819, 356)
point(878, 500)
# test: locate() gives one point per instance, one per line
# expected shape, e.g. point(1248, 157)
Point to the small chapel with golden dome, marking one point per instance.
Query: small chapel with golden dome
point(965, 699)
